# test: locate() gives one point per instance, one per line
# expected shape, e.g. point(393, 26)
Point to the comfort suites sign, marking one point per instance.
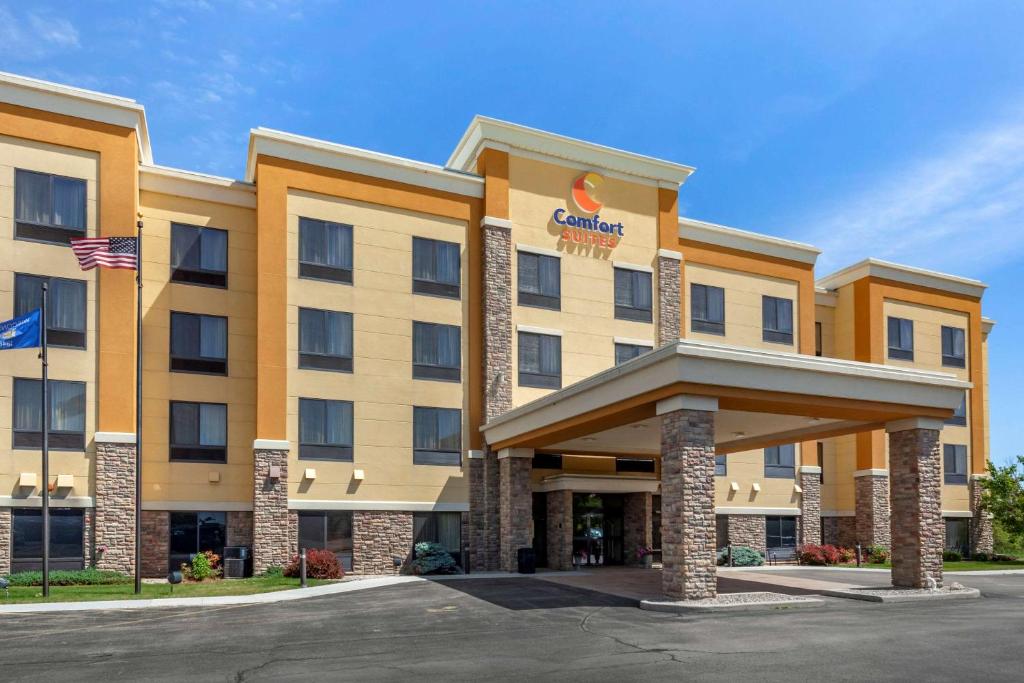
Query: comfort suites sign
point(583, 229)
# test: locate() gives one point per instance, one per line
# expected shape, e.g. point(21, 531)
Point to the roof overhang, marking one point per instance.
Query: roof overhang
point(179, 183)
point(273, 143)
point(775, 397)
point(909, 275)
point(79, 103)
point(742, 240)
point(487, 133)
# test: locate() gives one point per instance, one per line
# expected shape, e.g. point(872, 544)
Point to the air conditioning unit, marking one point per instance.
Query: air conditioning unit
point(237, 561)
point(234, 568)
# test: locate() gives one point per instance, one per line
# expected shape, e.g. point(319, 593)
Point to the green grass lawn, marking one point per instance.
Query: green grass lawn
point(22, 594)
point(966, 566)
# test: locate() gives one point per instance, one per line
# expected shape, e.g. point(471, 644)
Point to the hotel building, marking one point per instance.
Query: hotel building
point(524, 347)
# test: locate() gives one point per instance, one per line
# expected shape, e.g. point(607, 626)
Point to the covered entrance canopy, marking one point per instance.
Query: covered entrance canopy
point(688, 400)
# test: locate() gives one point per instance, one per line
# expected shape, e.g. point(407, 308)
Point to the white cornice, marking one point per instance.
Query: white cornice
point(740, 510)
point(399, 505)
point(634, 342)
point(179, 183)
point(79, 103)
point(114, 437)
point(332, 155)
point(824, 297)
point(905, 274)
point(484, 132)
point(197, 505)
point(597, 483)
point(743, 240)
point(987, 324)
point(37, 502)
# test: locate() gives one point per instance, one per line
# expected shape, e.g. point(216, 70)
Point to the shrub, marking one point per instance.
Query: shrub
point(742, 556)
point(320, 564)
point(432, 558)
point(981, 557)
point(274, 572)
point(951, 556)
point(78, 577)
point(825, 555)
point(201, 568)
point(877, 554)
point(999, 557)
point(204, 565)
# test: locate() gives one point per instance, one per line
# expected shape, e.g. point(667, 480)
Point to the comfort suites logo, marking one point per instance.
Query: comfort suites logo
point(592, 230)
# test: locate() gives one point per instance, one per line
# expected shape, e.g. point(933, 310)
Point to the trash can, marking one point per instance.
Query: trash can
point(527, 561)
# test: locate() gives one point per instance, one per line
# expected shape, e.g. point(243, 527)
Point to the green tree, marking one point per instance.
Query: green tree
point(1003, 496)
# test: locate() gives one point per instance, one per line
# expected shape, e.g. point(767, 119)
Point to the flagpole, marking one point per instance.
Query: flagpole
point(46, 446)
point(138, 410)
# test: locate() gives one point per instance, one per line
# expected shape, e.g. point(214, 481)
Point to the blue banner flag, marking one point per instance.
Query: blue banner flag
point(21, 332)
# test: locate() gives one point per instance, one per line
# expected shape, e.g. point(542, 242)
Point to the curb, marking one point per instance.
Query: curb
point(691, 606)
point(965, 594)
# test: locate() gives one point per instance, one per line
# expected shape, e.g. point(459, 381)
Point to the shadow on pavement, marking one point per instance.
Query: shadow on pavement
point(528, 594)
point(726, 585)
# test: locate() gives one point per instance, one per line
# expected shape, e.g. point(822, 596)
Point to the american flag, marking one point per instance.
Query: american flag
point(106, 252)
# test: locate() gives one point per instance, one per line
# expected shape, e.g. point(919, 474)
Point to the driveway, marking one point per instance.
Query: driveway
point(521, 628)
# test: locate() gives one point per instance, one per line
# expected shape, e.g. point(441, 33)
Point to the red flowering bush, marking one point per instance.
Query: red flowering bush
point(320, 564)
point(824, 555)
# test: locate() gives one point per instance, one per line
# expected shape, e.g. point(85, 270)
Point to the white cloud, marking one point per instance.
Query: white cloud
point(960, 209)
point(54, 30)
point(35, 36)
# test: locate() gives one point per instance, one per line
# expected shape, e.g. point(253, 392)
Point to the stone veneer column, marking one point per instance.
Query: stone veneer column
point(156, 543)
point(916, 502)
point(688, 497)
point(810, 506)
point(379, 538)
point(637, 526)
point(484, 475)
point(115, 504)
point(515, 498)
point(559, 530)
point(6, 538)
point(88, 536)
point(274, 530)
point(981, 522)
point(871, 490)
point(669, 285)
point(748, 530)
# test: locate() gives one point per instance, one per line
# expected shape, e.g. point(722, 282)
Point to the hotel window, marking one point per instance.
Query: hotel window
point(199, 343)
point(437, 436)
point(331, 530)
point(48, 208)
point(707, 309)
point(817, 339)
point(199, 256)
point(954, 463)
point(625, 352)
point(199, 432)
point(65, 307)
point(66, 419)
point(780, 462)
point(436, 352)
point(192, 533)
point(325, 251)
point(780, 532)
point(633, 295)
point(435, 267)
point(444, 528)
point(821, 462)
point(540, 360)
point(959, 417)
point(777, 320)
point(325, 430)
point(547, 461)
point(66, 533)
point(901, 338)
point(720, 465)
point(645, 465)
point(953, 354)
point(540, 280)
point(325, 340)
point(958, 535)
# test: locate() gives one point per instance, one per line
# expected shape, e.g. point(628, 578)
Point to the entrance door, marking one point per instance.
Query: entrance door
point(597, 523)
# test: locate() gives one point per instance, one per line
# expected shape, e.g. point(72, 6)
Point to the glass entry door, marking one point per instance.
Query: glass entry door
point(597, 528)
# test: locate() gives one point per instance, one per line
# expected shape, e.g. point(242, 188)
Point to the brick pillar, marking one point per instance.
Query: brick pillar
point(515, 503)
point(637, 525)
point(156, 543)
point(916, 502)
point(872, 507)
point(688, 497)
point(810, 506)
point(749, 530)
point(669, 278)
point(559, 530)
point(6, 539)
point(484, 497)
point(981, 523)
point(378, 539)
point(239, 530)
point(273, 531)
point(115, 505)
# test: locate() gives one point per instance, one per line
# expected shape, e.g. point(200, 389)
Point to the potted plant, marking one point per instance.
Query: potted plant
point(645, 556)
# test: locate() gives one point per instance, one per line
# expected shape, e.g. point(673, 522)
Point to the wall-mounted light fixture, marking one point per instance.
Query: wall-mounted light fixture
point(756, 487)
point(358, 475)
point(310, 474)
point(28, 480)
point(275, 472)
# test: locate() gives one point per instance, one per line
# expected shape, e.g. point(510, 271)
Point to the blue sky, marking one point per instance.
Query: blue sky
point(890, 129)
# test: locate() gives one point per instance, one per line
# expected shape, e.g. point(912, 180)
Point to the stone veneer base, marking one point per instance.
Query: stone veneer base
point(382, 541)
point(115, 506)
point(275, 530)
